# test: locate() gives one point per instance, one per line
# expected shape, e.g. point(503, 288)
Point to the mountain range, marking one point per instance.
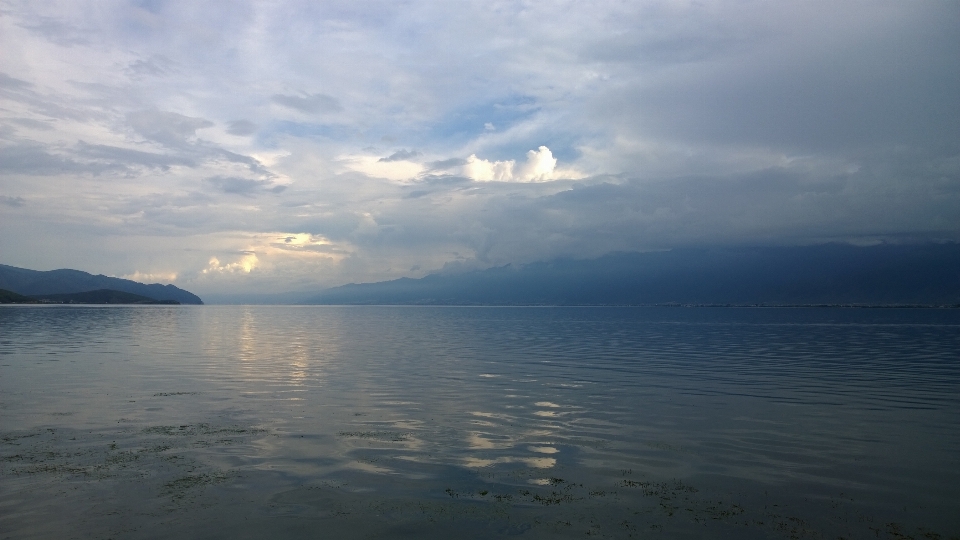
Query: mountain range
point(36, 283)
point(829, 274)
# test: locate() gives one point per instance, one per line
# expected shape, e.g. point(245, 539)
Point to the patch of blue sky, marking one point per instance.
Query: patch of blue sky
point(462, 125)
point(564, 145)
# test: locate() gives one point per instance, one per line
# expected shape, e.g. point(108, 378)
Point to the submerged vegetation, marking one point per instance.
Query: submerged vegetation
point(161, 469)
point(541, 424)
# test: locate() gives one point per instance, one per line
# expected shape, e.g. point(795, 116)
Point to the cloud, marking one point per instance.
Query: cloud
point(172, 130)
point(134, 135)
point(245, 265)
point(120, 157)
point(540, 166)
point(15, 202)
point(7, 81)
point(241, 127)
point(34, 159)
point(155, 66)
point(401, 155)
point(309, 103)
point(152, 277)
point(400, 170)
point(59, 31)
point(308, 243)
point(168, 128)
point(243, 186)
point(446, 164)
point(32, 123)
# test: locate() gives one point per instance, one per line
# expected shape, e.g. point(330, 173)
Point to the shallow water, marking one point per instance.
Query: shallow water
point(367, 422)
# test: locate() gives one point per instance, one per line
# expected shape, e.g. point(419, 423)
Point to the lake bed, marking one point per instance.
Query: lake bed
point(383, 422)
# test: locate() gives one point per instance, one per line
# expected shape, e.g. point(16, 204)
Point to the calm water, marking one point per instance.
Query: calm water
point(366, 422)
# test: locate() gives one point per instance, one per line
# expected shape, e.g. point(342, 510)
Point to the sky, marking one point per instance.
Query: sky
point(266, 147)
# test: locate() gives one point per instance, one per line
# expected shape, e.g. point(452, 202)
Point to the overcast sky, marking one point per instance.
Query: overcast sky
point(280, 146)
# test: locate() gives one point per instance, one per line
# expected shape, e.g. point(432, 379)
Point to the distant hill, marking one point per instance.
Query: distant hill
point(811, 275)
point(10, 297)
point(39, 283)
point(102, 296)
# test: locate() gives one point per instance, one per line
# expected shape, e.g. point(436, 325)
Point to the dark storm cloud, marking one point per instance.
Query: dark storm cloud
point(690, 37)
point(309, 103)
point(907, 196)
point(826, 85)
point(685, 123)
point(768, 207)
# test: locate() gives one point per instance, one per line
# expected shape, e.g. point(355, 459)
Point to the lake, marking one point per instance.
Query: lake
point(478, 422)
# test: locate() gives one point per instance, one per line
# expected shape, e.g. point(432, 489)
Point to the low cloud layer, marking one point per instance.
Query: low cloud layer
point(239, 147)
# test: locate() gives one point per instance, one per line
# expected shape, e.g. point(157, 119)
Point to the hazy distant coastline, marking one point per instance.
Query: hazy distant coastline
point(824, 275)
point(828, 275)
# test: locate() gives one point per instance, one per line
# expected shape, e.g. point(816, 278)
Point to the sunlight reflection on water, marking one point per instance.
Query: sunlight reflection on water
point(545, 422)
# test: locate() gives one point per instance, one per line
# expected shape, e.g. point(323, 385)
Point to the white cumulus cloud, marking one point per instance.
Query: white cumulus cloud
point(540, 166)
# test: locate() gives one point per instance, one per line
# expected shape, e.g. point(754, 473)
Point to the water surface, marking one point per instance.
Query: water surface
point(370, 422)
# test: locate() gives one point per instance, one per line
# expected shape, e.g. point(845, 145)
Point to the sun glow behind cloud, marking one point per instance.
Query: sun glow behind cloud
point(245, 264)
point(161, 277)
